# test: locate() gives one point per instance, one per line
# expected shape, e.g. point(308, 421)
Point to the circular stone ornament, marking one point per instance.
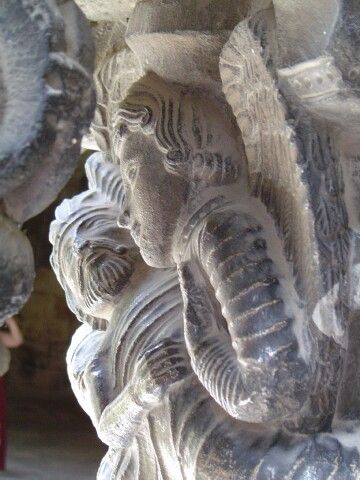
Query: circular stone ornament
point(47, 100)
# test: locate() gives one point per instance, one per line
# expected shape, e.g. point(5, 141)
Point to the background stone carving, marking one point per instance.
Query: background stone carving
point(107, 10)
point(16, 266)
point(47, 102)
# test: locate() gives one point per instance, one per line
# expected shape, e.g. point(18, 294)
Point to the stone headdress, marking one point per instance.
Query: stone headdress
point(98, 205)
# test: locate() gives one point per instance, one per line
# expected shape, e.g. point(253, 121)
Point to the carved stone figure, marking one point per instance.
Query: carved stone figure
point(194, 155)
point(307, 48)
point(129, 353)
point(238, 153)
point(46, 104)
point(251, 341)
point(128, 366)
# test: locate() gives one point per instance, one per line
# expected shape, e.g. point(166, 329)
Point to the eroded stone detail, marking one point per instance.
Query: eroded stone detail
point(48, 101)
point(129, 367)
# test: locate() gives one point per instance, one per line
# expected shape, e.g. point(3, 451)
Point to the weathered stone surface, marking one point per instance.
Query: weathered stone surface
point(238, 151)
point(191, 35)
point(47, 101)
point(107, 10)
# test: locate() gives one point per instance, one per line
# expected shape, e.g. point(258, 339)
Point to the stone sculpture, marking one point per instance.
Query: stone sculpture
point(309, 53)
point(128, 364)
point(47, 103)
point(239, 165)
point(129, 352)
point(249, 341)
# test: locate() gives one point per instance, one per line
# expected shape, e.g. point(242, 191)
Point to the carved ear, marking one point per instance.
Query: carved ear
point(104, 177)
point(105, 191)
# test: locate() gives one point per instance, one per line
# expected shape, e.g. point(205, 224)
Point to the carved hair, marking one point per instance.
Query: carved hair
point(97, 206)
point(195, 132)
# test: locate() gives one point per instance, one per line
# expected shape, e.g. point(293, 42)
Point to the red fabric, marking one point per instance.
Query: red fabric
point(3, 423)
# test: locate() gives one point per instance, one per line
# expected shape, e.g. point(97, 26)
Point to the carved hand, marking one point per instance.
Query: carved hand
point(158, 370)
point(304, 28)
point(86, 361)
point(120, 420)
